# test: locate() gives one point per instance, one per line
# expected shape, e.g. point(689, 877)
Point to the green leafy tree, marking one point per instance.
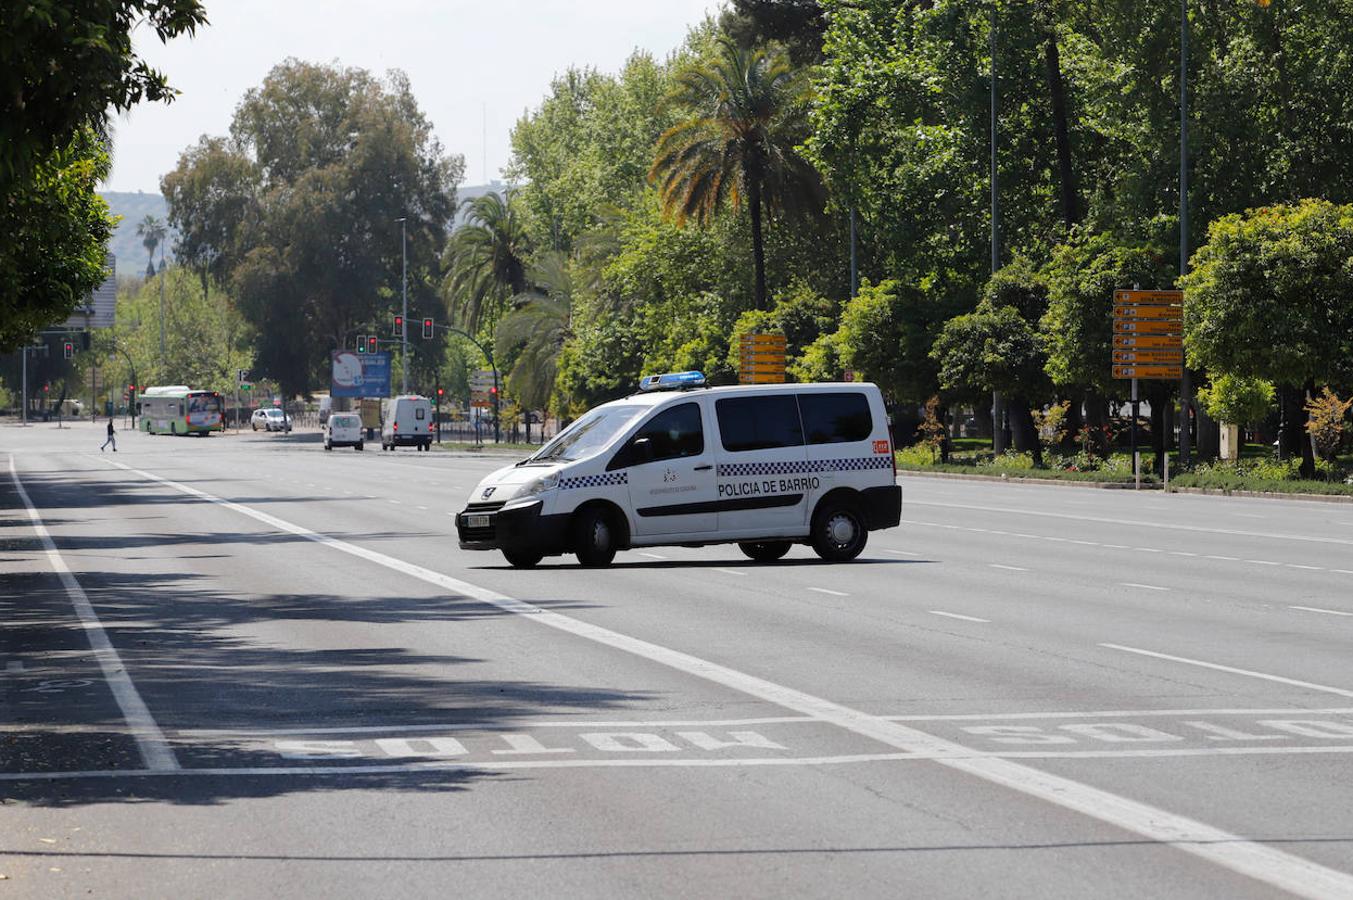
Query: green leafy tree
point(486, 261)
point(885, 335)
point(532, 336)
point(321, 165)
point(1269, 298)
point(56, 230)
point(1236, 399)
point(740, 141)
point(66, 62)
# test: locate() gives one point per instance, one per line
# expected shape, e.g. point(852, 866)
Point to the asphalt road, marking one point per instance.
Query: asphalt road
point(243, 667)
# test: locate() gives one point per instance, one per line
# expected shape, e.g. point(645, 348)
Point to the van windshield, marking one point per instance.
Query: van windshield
point(587, 435)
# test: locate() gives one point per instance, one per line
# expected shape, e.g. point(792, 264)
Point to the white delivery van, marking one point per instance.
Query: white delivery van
point(764, 466)
point(343, 429)
point(406, 421)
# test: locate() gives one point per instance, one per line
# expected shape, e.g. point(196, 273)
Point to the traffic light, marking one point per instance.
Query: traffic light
point(427, 328)
point(70, 349)
point(361, 343)
point(371, 343)
point(441, 391)
point(399, 326)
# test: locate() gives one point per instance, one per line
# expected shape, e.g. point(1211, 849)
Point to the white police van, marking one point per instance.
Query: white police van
point(765, 466)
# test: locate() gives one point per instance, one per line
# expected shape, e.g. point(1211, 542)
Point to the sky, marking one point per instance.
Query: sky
point(475, 65)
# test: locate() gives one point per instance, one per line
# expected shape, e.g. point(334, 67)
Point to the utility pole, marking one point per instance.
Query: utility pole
point(404, 292)
point(1185, 381)
point(997, 401)
point(163, 363)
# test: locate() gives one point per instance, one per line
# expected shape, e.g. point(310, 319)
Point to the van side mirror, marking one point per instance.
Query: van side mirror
point(641, 451)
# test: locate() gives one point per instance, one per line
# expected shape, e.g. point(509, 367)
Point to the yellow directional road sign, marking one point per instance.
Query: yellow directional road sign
point(1147, 341)
point(1157, 297)
point(1149, 357)
point(1173, 313)
point(1158, 372)
point(1147, 326)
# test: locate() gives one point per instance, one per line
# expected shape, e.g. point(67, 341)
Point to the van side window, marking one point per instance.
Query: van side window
point(835, 417)
point(759, 423)
point(674, 433)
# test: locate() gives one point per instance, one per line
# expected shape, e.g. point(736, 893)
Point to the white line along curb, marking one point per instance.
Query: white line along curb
point(1271, 866)
point(155, 750)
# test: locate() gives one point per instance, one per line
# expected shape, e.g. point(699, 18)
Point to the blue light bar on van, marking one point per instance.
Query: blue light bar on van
point(672, 381)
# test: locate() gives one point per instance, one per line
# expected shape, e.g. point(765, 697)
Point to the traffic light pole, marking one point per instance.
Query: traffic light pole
point(404, 321)
point(488, 356)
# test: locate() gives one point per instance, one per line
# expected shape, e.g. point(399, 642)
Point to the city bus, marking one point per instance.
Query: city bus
point(178, 409)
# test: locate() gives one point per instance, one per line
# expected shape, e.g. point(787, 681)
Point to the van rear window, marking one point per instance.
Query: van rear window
point(759, 423)
point(835, 417)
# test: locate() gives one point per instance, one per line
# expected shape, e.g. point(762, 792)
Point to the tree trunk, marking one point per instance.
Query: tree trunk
point(758, 242)
point(1096, 419)
point(1308, 439)
point(1208, 445)
point(1061, 130)
point(1075, 421)
point(1292, 428)
point(1023, 431)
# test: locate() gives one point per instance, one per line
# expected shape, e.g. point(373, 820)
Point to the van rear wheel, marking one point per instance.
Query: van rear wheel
point(764, 551)
point(839, 533)
point(594, 538)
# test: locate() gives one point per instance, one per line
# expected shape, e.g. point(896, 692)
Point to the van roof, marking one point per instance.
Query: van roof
point(654, 398)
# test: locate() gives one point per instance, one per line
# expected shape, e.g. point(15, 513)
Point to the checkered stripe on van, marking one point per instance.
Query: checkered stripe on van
point(591, 481)
point(801, 467)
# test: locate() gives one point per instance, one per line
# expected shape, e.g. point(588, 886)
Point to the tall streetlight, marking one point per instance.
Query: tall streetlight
point(1185, 382)
point(404, 292)
point(997, 401)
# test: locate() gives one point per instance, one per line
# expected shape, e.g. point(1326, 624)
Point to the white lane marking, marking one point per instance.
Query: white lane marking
point(652, 555)
point(1343, 571)
point(1262, 562)
point(1087, 543)
point(1147, 550)
point(1123, 714)
point(1258, 861)
point(1007, 568)
point(1316, 609)
point(155, 750)
point(1311, 870)
point(1307, 568)
point(949, 615)
point(1115, 546)
point(1223, 558)
point(828, 592)
point(1234, 671)
point(898, 552)
point(423, 508)
point(1145, 587)
point(1182, 553)
point(1136, 522)
point(730, 571)
point(528, 726)
point(396, 503)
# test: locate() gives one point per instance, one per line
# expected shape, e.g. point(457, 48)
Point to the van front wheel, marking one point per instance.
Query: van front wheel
point(764, 551)
point(839, 533)
point(594, 538)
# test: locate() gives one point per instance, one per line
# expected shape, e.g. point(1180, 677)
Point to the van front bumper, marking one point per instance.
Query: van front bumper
point(516, 527)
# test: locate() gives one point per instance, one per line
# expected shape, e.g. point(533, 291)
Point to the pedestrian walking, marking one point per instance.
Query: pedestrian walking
point(112, 437)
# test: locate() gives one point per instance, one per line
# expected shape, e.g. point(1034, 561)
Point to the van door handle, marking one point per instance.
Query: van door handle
point(703, 468)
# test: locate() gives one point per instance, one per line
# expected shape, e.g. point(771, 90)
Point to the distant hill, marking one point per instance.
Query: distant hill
point(126, 246)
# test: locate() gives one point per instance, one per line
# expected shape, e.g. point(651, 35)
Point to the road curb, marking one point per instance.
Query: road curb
point(1016, 479)
point(1264, 495)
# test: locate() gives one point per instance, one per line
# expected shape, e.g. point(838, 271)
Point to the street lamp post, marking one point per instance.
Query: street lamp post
point(997, 401)
point(1185, 381)
point(488, 357)
point(404, 292)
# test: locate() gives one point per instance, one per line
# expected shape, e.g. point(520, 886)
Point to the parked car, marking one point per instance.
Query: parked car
point(343, 429)
point(269, 420)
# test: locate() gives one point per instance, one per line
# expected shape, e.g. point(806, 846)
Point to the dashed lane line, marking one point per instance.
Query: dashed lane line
point(829, 592)
point(1316, 609)
point(949, 615)
point(1264, 676)
point(1231, 851)
point(155, 750)
point(731, 572)
point(1145, 587)
point(1007, 568)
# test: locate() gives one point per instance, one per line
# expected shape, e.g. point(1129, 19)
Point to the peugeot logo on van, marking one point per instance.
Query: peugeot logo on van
point(488, 492)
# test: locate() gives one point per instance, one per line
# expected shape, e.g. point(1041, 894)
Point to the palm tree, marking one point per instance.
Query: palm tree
point(740, 141)
point(151, 231)
point(485, 260)
point(537, 329)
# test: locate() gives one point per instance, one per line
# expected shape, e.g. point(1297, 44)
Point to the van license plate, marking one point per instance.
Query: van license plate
point(478, 521)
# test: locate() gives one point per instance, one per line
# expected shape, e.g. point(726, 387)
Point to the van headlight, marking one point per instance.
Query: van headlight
point(541, 485)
